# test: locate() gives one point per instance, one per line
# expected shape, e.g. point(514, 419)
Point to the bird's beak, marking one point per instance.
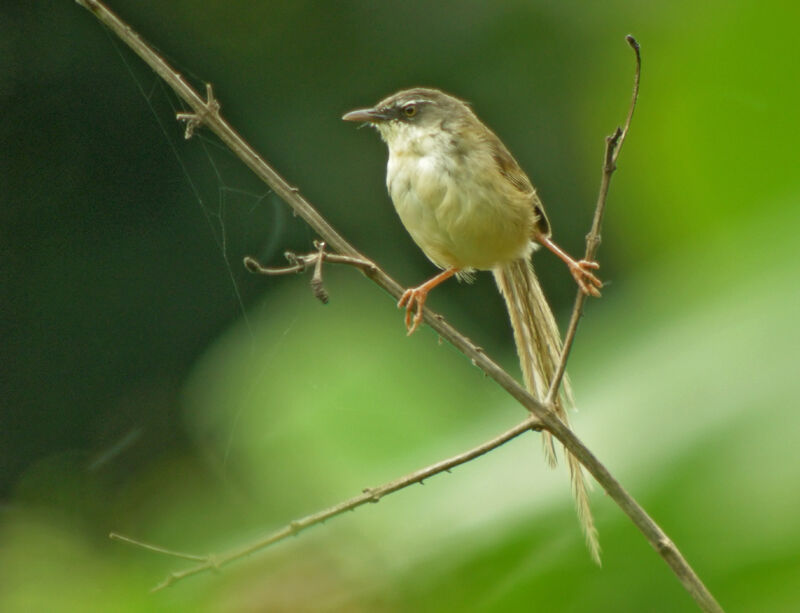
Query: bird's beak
point(367, 115)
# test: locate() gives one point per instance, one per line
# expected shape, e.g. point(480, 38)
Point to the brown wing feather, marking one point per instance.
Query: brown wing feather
point(510, 169)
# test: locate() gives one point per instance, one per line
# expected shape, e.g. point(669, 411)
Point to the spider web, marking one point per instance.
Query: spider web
point(228, 197)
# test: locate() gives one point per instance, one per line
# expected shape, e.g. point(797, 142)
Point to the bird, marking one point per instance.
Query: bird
point(470, 207)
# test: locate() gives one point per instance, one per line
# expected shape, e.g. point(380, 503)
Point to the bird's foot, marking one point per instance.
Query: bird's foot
point(411, 298)
point(582, 273)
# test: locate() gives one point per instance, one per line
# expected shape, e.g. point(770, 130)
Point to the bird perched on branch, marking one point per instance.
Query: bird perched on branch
point(469, 206)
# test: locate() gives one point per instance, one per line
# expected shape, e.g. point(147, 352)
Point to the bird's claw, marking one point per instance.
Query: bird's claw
point(411, 298)
point(586, 280)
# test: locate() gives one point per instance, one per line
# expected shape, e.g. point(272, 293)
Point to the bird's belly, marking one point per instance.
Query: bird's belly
point(456, 220)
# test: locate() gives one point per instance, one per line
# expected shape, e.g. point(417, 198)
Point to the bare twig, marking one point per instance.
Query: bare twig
point(299, 263)
point(613, 146)
point(114, 536)
point(369, 495)
point(316, 279)
point(544, 417)
point(302, 262)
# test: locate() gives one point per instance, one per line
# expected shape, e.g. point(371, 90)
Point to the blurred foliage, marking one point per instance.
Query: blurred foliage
point(150, 386)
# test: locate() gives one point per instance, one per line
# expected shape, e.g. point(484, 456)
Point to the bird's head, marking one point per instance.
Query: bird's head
point(413, 114)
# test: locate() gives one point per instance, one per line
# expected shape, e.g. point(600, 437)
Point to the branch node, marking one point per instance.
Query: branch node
point(299, 263)
point(168, 581)
point(613, 143)
point(665, 545)
point(194, 120)
point(295, 260)
point(373, 494)
point(593, 241)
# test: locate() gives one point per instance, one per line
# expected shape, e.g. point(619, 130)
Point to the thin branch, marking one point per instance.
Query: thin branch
point(208, 112)
point(293, 528)
point(299, 263)
point(613, 146)
point(298, 266)
point(114, 536)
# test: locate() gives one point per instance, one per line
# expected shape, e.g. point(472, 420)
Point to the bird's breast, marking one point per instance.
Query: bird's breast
point(455, 209)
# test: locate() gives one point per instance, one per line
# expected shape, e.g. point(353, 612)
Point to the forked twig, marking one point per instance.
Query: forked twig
point(544, 417)
point(300, 263)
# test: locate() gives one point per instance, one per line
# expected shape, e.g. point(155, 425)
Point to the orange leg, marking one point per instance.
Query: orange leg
point(581, 269)
point(418, 295)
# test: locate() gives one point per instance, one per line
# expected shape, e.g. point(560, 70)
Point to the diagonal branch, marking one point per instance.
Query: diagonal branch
point(207, 112)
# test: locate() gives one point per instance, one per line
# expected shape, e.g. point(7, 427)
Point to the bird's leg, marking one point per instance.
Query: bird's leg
point(581, 269)
point(417, 296)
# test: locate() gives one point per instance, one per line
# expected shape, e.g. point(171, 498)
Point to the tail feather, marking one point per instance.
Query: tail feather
point(538, 344)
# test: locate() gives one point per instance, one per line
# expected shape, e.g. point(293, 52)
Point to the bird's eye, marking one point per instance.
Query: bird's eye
point(410, 110)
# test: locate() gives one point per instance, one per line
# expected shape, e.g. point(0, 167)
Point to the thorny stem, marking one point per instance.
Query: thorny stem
point(208, 113)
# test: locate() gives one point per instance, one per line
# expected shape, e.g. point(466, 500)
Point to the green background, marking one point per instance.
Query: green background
point(150, 386)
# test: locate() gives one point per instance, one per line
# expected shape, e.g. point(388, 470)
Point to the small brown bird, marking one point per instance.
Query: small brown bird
point(469, 206)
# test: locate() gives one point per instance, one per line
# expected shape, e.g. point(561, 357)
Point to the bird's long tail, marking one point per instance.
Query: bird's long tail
point(538, 344)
